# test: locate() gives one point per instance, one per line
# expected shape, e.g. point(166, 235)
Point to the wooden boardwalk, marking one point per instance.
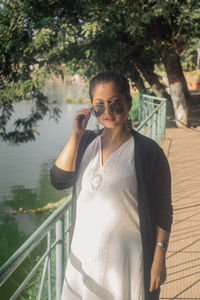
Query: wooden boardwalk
point(182, 147)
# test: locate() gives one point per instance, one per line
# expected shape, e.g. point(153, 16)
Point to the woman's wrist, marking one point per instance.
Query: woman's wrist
point(162, 244)
point(160, 253)
point(76, 136)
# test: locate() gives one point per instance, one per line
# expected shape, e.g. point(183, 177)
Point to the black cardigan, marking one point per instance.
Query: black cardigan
point(154, 193)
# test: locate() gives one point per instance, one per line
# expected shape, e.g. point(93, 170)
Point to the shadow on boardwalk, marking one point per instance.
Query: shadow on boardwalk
point(182, 146)
point(194, 109)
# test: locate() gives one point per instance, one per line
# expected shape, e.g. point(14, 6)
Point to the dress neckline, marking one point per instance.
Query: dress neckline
point(111, 155)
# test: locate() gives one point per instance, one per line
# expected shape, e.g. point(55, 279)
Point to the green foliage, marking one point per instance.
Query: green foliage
point(85, 37)
point(25, 129)
point(24, 67)
point(189, 56)
point(134, 109)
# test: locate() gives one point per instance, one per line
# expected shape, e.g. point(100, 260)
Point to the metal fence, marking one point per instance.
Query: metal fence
point(55, 230)
point(152, 117)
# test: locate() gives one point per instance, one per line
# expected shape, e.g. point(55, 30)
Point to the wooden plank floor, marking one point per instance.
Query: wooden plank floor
point(182, 146)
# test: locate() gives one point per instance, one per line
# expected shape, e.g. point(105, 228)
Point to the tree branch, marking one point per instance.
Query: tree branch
point(183, 21)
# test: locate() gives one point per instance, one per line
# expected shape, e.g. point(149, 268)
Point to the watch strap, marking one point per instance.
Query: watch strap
point(162, 244)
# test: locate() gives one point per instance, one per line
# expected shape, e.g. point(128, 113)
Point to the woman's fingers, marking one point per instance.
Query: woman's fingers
point(157, 285)
point(154, 285)
point(84, 115)
point(83, 111)
point(81, 118)
point(158, 272)
point(156, 281)
point(164, 276)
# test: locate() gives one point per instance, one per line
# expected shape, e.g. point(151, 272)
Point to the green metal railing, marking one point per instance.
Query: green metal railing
point(60, 221)
point(56, 229)
point(152, 117)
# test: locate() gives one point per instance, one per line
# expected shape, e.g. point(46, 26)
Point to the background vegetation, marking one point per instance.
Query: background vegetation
point(137, 38)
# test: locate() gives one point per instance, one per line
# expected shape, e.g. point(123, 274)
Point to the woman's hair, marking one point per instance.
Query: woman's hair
point(119, 80)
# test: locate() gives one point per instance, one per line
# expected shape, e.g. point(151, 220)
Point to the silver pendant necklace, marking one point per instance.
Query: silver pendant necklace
point(98, 173)
point(97, 180)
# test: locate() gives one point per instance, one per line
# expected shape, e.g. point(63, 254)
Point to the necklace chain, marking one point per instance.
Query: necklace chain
point(123, 139)
point(98, 173)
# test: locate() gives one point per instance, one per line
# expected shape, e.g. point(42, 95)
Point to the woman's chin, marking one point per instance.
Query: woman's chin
point(109, 124)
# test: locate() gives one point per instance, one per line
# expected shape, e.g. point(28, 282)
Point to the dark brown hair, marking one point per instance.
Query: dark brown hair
point(119, 80)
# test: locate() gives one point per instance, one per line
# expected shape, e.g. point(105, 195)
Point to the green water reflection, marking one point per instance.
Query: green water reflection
point(24, 177)
point(25, 182)
point(15, 229)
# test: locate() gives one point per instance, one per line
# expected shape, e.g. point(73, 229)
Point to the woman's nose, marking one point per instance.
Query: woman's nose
point(107, 108)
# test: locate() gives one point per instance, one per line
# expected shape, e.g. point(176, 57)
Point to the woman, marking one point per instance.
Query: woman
point(122, 200)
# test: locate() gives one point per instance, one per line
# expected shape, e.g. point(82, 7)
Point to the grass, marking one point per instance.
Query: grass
point(77, 100)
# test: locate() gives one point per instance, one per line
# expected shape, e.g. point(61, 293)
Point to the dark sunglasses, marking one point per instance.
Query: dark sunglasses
point(115, 107)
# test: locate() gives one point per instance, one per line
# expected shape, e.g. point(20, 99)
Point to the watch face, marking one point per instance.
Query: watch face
point(165, 244)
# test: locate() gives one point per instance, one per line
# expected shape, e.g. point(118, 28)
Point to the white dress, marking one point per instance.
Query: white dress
point(106, 260)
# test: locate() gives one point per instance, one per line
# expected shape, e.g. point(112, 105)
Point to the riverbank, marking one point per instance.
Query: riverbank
point(77, 100)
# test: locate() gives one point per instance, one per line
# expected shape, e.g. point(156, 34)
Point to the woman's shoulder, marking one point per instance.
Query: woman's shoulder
point(88, 136)
point(86, 140)
point(147, 148)
point(143, 141)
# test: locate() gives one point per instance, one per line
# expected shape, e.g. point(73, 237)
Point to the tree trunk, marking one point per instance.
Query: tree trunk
point(177, 83)
point(133, 74)
point(147, 70)
point(139, 84)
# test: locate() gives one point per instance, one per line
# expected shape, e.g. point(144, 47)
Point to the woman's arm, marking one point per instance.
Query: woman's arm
point(158, 269)
point(67, 159)
point(163, 213)
point(62, 174)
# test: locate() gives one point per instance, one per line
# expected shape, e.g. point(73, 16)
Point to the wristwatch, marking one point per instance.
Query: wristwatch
point(162, 244)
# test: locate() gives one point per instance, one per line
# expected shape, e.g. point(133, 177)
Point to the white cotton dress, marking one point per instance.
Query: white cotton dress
point(106, 260)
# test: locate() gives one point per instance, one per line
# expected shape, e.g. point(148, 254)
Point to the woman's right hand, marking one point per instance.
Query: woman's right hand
point(80, 121)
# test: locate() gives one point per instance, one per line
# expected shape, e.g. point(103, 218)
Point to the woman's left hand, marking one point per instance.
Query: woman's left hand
point(158, 270)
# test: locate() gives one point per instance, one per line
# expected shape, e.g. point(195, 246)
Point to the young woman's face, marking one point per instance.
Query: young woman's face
point(105, 95)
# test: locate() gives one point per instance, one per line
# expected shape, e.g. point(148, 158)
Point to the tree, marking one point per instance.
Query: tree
point(145, 30)
point(26, 52)
point(175, 24)
point(39, 37)
point(138, 35)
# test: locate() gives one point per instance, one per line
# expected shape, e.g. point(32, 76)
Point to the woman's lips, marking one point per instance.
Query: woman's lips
point(109, 119)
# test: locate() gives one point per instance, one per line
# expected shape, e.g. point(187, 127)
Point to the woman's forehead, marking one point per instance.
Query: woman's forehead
point(111, 98)
point(106, 90)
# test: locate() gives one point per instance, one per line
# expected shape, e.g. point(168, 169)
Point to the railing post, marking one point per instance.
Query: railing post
point(152, 124)
point(28, 247)
point(164, 110)
point(140, 107)
point(49, 265)
point(68, 233)
point(59, 257)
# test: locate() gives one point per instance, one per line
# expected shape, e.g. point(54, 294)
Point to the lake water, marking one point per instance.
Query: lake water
point(24, 178)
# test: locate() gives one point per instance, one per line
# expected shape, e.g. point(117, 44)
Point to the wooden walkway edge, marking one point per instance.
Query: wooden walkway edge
point(182, 147)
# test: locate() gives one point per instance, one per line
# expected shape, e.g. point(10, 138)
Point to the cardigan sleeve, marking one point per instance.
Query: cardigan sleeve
point(61, 179)
point(161, 192)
